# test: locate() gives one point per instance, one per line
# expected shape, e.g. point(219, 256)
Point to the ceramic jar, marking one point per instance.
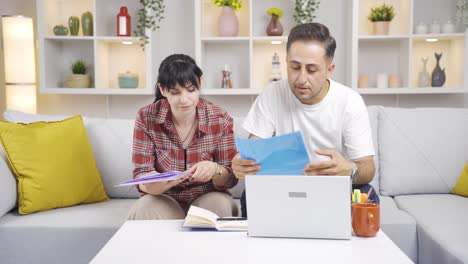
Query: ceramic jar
point(128, 80)
point(435, 27)
point(382, 80)
point(448, 27)
point(363, 81)
point(421, 28)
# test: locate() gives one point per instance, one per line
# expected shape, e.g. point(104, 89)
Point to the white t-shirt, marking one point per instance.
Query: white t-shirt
point(340, 121)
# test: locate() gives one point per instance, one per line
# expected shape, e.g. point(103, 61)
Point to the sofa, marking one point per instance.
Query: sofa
point(419, 156)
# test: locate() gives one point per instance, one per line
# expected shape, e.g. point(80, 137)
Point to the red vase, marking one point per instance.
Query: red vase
point(123, 23)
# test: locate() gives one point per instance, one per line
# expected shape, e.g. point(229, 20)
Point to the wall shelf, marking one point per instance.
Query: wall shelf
point(105, 54)
point(428, 90)
point(249, 55)
point(401, 51)
point(230, 91)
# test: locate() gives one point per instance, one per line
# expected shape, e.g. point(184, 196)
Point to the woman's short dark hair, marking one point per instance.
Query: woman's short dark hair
point(313, 32)
point(178, 69)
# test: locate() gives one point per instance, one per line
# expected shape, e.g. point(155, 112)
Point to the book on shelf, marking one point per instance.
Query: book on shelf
point(199, 218)
point(154, 177)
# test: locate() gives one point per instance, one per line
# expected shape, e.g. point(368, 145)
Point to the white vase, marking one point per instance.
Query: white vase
point(382, 80)
point(228, 24)
point(421, 28)
point(435, 27)
point(424, 78)
point(448, 27)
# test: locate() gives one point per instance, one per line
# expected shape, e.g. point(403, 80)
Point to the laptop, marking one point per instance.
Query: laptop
point(299, 206)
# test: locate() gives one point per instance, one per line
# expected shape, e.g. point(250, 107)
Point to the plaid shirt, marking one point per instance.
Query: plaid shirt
point(157, 147)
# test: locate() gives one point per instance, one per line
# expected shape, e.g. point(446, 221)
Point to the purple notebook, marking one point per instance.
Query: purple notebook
point(166, 176)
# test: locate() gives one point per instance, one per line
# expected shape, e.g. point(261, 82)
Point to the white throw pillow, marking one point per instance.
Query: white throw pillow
point(421, 150)
point(112, 143)
point(8, 193)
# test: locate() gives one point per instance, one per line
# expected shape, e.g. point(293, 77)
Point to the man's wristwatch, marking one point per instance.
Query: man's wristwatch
point(354, 173)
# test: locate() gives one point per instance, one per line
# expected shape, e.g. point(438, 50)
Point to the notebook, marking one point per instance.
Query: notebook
point(299, 206)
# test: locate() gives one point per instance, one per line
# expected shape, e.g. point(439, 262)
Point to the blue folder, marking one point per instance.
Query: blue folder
point(280, 155)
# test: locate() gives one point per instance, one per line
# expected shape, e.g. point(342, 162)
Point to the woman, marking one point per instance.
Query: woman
point(180, 131)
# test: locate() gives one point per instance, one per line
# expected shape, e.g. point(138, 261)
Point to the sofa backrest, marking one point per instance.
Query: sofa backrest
point(8, 194)
point(421, 150)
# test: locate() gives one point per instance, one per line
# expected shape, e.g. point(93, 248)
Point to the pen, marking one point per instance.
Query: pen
point(231, 218)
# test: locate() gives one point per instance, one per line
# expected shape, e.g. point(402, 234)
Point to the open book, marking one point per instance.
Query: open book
point(201, 218)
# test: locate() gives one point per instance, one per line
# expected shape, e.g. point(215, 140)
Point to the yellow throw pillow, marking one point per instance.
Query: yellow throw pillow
point(461, 188)
point(54, 164)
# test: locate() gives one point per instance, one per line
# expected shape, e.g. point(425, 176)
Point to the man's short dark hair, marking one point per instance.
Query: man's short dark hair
point(313, 32)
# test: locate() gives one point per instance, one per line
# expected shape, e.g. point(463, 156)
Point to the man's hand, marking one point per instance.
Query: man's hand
point(203, 171)
point(337, 165)
point(242, 167)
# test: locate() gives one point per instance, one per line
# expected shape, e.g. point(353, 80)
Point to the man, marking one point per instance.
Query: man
point(332, 117)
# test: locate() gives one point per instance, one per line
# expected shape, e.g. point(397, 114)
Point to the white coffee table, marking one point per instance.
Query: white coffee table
point(167, 242)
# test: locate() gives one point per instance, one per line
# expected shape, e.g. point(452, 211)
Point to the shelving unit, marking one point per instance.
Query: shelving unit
point(248, 55)
point(400, 52)
point(105, 54)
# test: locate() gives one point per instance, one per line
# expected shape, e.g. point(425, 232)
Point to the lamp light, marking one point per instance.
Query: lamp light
point(20, 67)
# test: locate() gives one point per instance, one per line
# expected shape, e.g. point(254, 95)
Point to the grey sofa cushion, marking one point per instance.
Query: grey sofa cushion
point(442, 226)
point(373, 119)
point(8, 196)
point(67, 235)
point(399, 226)
point(421, 150)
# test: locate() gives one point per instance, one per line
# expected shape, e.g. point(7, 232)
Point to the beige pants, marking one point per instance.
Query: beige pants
point(161, 206)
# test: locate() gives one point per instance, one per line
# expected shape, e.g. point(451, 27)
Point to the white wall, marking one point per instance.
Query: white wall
point(177, 36)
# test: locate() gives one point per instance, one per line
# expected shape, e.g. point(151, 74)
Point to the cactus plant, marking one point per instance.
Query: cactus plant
point(74, 25)
point(78, 67)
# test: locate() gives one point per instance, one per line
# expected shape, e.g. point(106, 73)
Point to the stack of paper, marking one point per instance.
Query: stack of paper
point(155, 177)
point(280, 155)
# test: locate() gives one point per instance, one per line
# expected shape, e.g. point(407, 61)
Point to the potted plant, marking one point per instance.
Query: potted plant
point(380, 16)
point(228, 24)
point(304, 11)
point(274, 28)
point(149, 17)
point(79, 78)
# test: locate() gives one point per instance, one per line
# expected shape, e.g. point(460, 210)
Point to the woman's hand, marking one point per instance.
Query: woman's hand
point(156, 188)
point(203, 171)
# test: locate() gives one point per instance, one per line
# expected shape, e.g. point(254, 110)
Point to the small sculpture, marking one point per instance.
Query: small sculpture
point(275, 68)
point(424, 76)
point(226, 83)
point(438, 74)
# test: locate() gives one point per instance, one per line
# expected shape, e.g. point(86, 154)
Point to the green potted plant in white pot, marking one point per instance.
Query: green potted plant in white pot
point(79, 78)
point(380, 16)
